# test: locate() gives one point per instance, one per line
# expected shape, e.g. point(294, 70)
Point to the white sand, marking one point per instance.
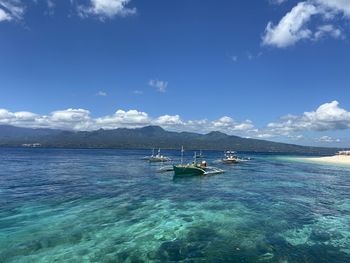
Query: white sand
point(337, 159)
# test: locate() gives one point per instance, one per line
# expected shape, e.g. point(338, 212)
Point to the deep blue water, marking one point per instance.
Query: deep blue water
point(110, 206)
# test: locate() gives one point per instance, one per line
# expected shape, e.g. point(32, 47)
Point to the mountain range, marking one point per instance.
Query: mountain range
point(145, 138)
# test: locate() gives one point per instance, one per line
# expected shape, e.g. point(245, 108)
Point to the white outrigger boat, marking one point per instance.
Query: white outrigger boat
point(230, 157)
point(198, 156)
point(157, 158)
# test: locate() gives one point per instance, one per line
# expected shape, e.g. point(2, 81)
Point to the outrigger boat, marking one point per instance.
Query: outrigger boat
point(200, 155)
point(194, 168)
point(189, 169)
point(230, 157)
point(157, 158)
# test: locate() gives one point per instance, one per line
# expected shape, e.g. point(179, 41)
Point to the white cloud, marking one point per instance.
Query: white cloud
point(70, 119)
point(228, 124)
point(224, 124)
point(245, 126)
point(160, 85)
point(75, 119)
point(50, 7)
point(5, 116)
point(4, 16)
point(327, 117)
point(70, 115)
point(138, 92)
point(327, 139)
point(292, 26)
point(341, 6)
point(25, 116)
point(168, 120)
point(328, 29)
point(107, 8)
point(11, 10)
point(296, 25)
point(252, 56)
point(265, 135)
point(277, 2)
point(121, 118)
point(296, 137)
point(101, 93)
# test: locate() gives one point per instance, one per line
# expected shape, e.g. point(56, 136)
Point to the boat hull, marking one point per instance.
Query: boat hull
point(229, 161)
point(157, 160)
point(187, 170)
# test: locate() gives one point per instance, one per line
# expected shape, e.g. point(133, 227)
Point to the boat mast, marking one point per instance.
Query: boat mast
point(195, 157)
point(182, 153)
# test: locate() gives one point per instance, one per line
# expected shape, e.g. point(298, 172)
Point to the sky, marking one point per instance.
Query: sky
point(269, 69)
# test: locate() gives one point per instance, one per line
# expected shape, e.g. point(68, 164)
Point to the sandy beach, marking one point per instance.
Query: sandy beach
point(336, 159)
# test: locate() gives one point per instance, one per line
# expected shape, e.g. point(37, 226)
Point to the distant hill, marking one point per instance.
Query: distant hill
point(12, 134)
point(145, 138)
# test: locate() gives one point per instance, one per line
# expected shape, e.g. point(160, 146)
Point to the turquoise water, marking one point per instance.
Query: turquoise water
point(111, 206)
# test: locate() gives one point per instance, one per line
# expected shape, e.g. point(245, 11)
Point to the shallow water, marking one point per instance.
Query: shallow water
point(111, 206)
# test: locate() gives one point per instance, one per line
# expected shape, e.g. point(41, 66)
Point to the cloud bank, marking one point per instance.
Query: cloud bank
point(81, 120)
point(326, 118)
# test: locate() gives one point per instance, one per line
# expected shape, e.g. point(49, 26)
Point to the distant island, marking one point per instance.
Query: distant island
point(145, 138)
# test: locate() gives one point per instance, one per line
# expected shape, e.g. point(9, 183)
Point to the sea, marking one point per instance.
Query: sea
point(109, 205)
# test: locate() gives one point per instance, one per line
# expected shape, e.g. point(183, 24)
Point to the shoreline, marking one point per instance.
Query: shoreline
point(336, 159)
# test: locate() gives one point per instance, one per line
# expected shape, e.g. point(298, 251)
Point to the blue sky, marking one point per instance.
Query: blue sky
point(271, 69)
